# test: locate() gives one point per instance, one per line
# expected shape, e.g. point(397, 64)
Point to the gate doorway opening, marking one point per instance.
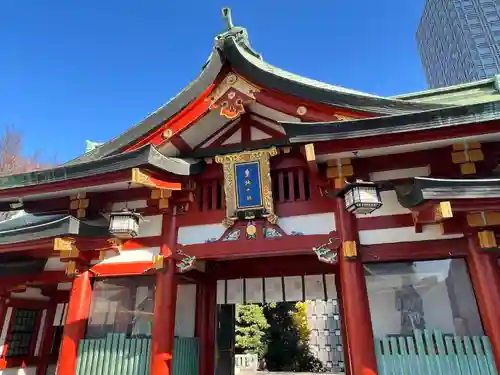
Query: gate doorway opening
point(279, 324)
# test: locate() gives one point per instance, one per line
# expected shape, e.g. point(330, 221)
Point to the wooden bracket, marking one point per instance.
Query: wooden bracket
point(339, 170)
point(310, 155)
point(160, 197)
point(466, 154)
point(487, 240)
point(483, 219)
point(442, 211)
point(79, 203)
point(66, 247)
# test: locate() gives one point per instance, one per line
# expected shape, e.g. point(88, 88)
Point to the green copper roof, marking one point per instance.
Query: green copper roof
point(483, 91)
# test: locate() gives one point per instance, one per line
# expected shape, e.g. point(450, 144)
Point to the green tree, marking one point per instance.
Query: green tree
point(251, 326)
point(287, 339)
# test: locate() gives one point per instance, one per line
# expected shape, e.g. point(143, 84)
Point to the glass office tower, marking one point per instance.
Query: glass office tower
point(459, 40)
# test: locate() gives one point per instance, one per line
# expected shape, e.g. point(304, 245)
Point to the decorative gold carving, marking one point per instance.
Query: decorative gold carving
point(350, 249)
point(63, 244)
point(487, 239)
point(140, 178)
point(229, 163)
point(344, 118)
point(443, 211)
point(167, 134)
point(286, 149)
point(301, 110)
point(232, 95)
point(66, 248)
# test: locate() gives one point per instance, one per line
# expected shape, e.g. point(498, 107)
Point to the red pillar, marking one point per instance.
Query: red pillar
point(211, 326)
point(76, 323)
point(485, 275)
point(201, 325)
point(165, 303)
point(357, 319)
point(47, 340)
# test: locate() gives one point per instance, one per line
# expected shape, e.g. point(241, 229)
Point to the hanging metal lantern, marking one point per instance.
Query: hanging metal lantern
point(124, 224)
point(361, 197)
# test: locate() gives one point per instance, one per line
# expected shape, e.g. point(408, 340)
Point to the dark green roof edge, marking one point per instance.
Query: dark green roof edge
point(439, 118)
point(420, 189)
point(31, 227)
point(160, 116)
point(142, 157)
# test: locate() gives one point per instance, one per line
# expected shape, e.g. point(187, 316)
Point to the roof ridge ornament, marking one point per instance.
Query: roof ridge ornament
point(226, 14)
point(238, 33)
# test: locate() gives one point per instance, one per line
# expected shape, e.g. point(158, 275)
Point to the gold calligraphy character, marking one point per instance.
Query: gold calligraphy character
point(249, 197)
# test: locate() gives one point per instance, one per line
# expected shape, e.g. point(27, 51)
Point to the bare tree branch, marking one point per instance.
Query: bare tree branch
point(12, 160)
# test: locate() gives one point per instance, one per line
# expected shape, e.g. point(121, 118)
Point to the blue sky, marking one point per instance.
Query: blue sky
point(72, 70)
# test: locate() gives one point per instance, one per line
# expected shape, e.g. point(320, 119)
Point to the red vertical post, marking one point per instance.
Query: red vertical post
point(165, 302)
point(357, 319)
point(76, 323)
point(211, 326)
point(47, 340)
point(345, 344)
point(201, 325)
point(485, 276)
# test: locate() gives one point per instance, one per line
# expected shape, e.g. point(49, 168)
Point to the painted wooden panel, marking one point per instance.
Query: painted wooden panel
point(276, 289)
point(432, 353)
point(118, 355)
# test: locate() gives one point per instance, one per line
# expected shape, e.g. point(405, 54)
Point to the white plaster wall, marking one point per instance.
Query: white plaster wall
point(185, 310)
point(32, 294)
point(308, 224)
point(19, 371)
point(131, 205)
point(151, 226)
point(390, 206)
point(395, 174)
point(404, 234)
point(55, 264)
point(195, 234)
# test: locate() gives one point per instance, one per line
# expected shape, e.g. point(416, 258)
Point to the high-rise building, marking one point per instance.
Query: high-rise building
point(459, 40)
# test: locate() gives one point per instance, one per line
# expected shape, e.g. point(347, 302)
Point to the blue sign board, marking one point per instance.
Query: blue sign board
point(248, 185)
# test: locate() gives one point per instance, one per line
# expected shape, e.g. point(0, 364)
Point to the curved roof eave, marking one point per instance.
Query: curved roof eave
point(271, 77)
point(233, 46)
point(208, 75)
point(427, 188)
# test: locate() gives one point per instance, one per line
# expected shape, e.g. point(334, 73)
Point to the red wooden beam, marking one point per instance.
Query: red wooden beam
point(295, 265)
point(315, 112)
point(414, 251)
point(39, 278)
point(289, 245)
point(179, 122)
